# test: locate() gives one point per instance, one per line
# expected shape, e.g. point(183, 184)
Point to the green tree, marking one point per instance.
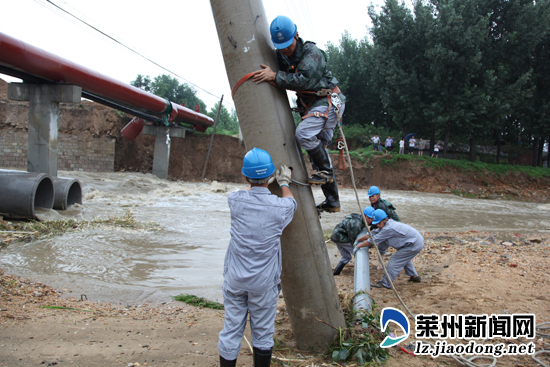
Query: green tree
point(142, 82)
point(349, 64)
point(532, 39)
point(398, 65)
point(227, 123)
point(170, 88)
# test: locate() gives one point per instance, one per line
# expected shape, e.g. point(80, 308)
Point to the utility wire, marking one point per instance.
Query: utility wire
point(129, 48)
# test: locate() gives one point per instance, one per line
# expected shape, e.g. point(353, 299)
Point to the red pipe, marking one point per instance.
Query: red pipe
point(22, 56)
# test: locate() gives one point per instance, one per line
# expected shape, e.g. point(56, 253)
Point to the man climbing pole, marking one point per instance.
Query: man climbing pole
point(303, 68)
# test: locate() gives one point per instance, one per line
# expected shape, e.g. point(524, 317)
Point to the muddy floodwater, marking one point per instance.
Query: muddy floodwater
point(186, 255)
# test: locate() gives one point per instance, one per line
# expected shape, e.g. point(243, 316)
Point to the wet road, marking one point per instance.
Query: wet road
point(186, 256)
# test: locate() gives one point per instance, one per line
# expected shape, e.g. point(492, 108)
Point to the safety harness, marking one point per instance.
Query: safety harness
point(319, 94)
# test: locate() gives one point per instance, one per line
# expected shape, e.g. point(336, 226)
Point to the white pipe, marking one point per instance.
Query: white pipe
point(361, 281)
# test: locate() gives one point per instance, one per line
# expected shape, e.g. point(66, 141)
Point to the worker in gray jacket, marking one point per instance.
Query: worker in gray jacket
point(405, 239)
point(252, 267)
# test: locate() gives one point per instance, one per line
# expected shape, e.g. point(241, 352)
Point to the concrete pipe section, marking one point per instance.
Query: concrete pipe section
point(68, 191)
point(21, 192)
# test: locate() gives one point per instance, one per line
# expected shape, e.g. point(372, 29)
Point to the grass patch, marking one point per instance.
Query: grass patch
point(198, 301)
point(34, 230)
point(465, 165)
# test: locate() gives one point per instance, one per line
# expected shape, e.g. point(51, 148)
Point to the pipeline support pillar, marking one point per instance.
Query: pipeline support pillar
point(266, 122)
point(43, 116)
point(161, 155)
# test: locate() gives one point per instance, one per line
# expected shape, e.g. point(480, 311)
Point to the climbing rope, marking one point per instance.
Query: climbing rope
point(335, 99)
point(464, 361)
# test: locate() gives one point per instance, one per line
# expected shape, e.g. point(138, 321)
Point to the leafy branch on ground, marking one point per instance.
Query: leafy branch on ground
point(34, 230)
point(360, 339)
point(198, 301)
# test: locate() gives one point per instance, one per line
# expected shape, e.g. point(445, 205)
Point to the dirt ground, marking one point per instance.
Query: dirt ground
point(462, 273)
point(478, 273)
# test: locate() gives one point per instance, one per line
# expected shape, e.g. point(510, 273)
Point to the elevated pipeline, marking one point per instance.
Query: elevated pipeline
point(18, 55)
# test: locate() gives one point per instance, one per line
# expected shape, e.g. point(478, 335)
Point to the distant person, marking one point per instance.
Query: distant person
point(405, 239)
point(412, 144)
point(421, 145)
point(389, 141)
point(345, 233)
point(402, 146)
point(436, 150)
point(252, 266)
point(378, 203)
point(376, 142)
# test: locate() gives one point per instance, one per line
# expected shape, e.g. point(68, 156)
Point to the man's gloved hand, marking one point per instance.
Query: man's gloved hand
point(283, 175)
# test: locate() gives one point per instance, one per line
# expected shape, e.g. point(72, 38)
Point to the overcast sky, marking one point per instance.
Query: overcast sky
point(180, 35)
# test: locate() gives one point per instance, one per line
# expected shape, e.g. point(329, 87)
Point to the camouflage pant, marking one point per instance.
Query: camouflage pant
point(313, 129)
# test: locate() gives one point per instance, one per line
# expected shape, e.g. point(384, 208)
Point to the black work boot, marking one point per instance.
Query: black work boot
point(332, 201)
point(338, 268)
point(320, 158)
point(225, 363)
point(262, 358)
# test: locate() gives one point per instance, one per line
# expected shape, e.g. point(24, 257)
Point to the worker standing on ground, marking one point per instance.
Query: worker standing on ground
point(378, 203)
point(405, 239)
point(303, 68)
point(345, 233)
point(252, 266)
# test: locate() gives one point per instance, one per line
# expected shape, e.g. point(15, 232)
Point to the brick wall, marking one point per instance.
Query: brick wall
point(73, 155)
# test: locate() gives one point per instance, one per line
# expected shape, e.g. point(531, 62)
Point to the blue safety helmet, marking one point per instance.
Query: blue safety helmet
point(282, 31)
point(379, 215)
point(369, 211)
point(257, 165)
point(374, 190)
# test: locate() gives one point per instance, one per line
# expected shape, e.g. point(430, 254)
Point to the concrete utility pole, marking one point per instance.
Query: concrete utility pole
point(266, 122)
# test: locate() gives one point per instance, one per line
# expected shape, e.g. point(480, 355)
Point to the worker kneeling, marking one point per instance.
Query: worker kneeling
point(252, 266)
point(405, 239)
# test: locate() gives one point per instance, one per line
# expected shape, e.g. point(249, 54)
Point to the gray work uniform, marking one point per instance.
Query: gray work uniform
point(406, 240)
point(313, 129)
point(252, 267)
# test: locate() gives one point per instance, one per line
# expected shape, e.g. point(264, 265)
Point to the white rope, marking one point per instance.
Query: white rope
point(464, 361)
